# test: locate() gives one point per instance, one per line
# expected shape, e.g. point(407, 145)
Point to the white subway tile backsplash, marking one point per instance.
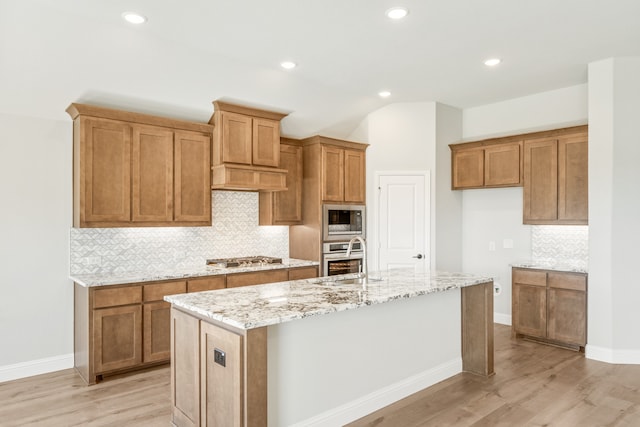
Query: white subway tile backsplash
point(558, 244)
point(235, 232)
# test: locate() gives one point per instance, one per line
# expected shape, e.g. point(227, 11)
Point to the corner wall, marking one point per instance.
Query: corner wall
point(493, 215)
point(36, 296)
point(614, 210)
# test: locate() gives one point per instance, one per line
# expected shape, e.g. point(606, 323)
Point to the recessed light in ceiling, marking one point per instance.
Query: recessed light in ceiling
point(384, 94)
point(288, 65)
point(397, 12)
point(492, 62)
point(134, 18)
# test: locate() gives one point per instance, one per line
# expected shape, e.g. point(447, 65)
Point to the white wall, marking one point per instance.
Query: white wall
point(448, 219)
point(36, 298)
point(415, 137)
point(496, 214)
point(329, 370)
point(614, 210)
point(401, 138)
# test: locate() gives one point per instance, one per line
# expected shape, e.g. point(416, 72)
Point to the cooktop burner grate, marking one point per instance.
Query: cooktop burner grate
point(243, 261)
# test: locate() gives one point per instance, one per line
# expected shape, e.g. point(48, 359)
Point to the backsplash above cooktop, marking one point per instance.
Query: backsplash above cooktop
point(235, 232)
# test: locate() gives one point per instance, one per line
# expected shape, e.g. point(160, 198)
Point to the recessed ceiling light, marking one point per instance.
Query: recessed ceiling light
point(384, 94)
point(397, 12)
point(134, 18)
point(288, 65)
point(492, 62)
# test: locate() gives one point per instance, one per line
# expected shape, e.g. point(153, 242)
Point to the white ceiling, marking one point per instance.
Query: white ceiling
point(192, 52)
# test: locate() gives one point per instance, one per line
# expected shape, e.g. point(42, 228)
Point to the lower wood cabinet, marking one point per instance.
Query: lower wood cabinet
point(550, 305)
point(124, 327)
point(117, 334)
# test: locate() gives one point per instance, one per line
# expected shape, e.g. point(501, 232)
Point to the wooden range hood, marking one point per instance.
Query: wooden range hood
point(246, 149)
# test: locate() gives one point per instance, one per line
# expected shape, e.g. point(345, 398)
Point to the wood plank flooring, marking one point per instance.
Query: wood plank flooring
point(534, 385)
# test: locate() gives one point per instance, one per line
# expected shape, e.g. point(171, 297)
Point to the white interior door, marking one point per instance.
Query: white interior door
point(403, 221)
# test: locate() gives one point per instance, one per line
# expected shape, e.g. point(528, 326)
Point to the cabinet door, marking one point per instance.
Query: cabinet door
point(567, 316)
point(221, 382)
point(502, 165)
point(332, 174)
point(236, 138)
point(117, 337)
point(192, 184)
point(567, 300)
point(530, 310)
point(157, 331)
point(354, 176)
point(573, 180)
point(256, 278)
point(468, 168)
point(266, 142)
point(105, 171)
point(303, 273)
point(540, 181)
point(206, 283)
point(152, 174)
point(285, 207)
point(185, 369)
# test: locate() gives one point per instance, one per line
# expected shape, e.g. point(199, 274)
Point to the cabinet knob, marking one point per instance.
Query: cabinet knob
point(419, 256)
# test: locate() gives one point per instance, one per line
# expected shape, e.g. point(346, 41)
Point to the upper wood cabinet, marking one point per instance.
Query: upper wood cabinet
point(489, 163)
point(246, 148)
point(556, 179)
point(341, 166)
point(133, 169)
point(285, 207)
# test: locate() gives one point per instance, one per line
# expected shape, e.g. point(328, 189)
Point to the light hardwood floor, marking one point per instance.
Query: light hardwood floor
point(534, 385)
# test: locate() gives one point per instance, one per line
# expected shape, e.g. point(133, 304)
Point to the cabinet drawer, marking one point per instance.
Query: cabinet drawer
point(155, 291)
point(111, 297)
point(575, 282)
point(303, 273)
point(206, 283)
point(530, 277)
point(259, 277)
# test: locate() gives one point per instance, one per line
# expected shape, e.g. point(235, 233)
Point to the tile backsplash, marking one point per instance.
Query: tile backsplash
point(558, 244)
point(235, 232)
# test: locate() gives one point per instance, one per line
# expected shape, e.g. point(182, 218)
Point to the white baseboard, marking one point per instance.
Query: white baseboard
point(36, 367)
point(503, 319)
point(380, 398)
point(609, 355)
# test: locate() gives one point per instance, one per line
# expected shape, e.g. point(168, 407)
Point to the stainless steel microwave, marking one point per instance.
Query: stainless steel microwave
point(342, 222)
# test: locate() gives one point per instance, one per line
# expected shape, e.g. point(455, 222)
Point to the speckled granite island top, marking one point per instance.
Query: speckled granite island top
point(264, 305)
point(121, 278)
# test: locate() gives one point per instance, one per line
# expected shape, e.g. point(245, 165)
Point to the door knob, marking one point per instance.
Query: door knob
point(419, 256)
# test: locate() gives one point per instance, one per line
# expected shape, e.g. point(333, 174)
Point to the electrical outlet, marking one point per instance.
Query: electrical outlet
point(507, 243)
point(492, 246)
point(497, 289)
point(219, 357)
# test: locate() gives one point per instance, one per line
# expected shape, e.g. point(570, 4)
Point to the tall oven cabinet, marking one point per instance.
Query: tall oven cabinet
point(334, 173)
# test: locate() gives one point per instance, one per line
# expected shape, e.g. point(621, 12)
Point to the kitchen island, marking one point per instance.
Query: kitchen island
point(317, 352)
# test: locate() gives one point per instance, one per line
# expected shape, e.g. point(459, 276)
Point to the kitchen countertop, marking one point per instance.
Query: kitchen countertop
point(571, 267)
point(120, 278)
point(264, 305)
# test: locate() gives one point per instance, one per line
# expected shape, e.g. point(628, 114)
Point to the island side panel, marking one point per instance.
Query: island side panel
point(477, 329)
point(185, 369)
point(255, 379)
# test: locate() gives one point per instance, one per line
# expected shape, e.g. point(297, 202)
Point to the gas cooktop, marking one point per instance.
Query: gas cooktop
point(243, 261)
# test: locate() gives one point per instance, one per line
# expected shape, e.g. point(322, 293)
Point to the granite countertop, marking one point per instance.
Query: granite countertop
point(91, 280)
point(566, 266)
point(264, 305)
